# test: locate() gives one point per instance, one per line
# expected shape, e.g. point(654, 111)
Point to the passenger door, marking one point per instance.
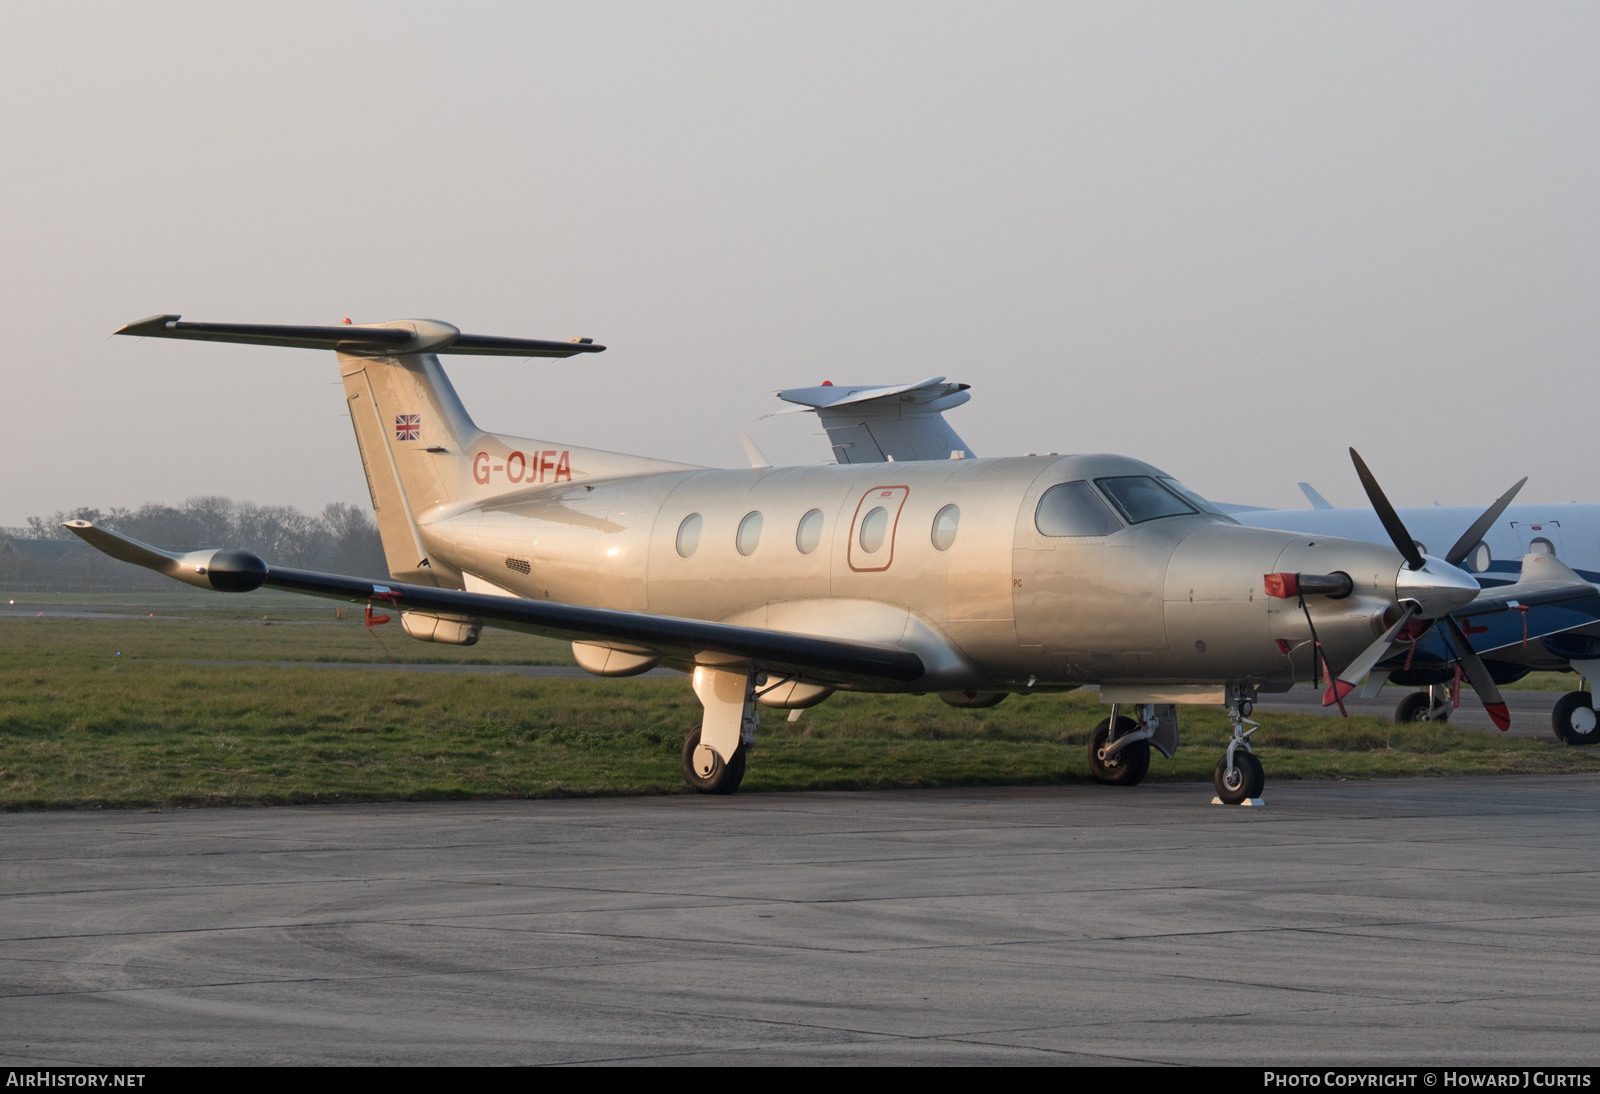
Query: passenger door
point(872, 529)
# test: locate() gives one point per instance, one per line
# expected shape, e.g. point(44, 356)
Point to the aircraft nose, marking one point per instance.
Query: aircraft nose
point(1437, 589)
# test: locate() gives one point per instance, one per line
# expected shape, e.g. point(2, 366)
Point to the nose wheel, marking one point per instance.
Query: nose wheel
point(1239, 776)
point(1243, 779)
point(1574, 719)
point(1432, 705)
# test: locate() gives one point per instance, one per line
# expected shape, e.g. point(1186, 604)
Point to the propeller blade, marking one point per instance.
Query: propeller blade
point(1391, 520)
point(1351, 676)
point(1470, 539)
point(1478, 675)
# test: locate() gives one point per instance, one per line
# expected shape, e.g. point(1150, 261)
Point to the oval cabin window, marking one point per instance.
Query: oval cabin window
point(749, 536)
point(944, 527)
point(874, 526)
point(689, 535)
point(809, 534)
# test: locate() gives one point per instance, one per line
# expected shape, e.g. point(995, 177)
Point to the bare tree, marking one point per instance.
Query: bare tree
point(341, 539)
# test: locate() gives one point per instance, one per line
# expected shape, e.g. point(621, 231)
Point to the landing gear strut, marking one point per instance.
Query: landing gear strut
point(714, 754)
point(1429, 705)
point(1574, 719)
point(1239, 775)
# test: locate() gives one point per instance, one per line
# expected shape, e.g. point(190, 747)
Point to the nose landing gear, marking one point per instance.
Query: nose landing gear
point(1429, 705)
point(1239, 776)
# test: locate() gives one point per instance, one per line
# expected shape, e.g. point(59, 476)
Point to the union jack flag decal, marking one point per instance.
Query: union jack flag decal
point(407, 427)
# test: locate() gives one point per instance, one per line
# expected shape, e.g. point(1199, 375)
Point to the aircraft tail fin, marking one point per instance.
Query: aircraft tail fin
point(879, 424)
point(1317, 500)
point(421, 451)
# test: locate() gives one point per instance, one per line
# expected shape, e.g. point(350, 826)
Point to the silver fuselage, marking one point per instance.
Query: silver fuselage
point(1175, 600)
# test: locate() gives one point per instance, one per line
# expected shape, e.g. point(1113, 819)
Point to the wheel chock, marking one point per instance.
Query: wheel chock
point(1257, 802)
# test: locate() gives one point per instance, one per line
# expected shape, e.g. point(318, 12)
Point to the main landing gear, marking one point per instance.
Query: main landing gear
point(707, 772)
point(714, 754)
point(1574, 719)
point(1432, 704)
point(1120, 759)
point(1239, 776)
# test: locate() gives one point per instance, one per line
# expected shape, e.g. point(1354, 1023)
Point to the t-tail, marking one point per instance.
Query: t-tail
point(423, 455)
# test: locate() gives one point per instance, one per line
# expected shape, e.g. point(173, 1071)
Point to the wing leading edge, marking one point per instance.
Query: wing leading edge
point(686, 641)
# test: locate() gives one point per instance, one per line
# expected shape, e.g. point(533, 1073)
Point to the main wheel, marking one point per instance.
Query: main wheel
point(704, 770)
point(1128, 766)
point(1245, 779)
point(1415, 708)
point(1574, 719)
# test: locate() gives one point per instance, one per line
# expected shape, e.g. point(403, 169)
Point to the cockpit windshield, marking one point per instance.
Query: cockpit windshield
point(1196, 500)
point(1140, 498)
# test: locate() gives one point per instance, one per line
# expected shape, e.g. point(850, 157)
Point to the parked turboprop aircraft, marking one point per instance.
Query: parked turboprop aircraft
point(970, 578)
point(1530, 542)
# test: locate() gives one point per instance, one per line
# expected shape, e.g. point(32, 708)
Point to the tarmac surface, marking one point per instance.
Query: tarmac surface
point(1447, 921)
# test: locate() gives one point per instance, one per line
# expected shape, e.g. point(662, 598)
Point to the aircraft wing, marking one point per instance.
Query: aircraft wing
point(1509, 597)
point(686, 641)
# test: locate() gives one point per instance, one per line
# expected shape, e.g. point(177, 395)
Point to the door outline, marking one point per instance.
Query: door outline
point(1528, 531)
point(875, 495)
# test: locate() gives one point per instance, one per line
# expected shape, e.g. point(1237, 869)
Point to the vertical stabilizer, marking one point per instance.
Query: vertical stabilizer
point(414, 436)
point(876, 424)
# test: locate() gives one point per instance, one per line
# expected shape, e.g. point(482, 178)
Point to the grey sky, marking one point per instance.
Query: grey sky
point(1231, 239)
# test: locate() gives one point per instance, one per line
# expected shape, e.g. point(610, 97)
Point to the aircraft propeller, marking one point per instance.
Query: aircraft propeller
point(1428, 595)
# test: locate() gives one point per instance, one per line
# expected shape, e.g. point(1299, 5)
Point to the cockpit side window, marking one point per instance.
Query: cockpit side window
point(1072, 509)
point(1140, 498)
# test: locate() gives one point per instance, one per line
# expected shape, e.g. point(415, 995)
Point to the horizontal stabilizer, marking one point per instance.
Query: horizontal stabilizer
point(384, 339)
point(926, 395)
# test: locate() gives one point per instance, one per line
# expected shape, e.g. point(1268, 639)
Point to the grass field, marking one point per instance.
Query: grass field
point(110, 711)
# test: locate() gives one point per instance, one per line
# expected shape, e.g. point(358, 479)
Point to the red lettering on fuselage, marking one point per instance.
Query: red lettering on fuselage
point(551, 465)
